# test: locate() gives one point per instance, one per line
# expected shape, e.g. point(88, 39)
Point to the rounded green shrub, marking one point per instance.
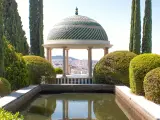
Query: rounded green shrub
point(5, 115)
point(15, 67)
point(151, 85)
point(58, 71)
point(39, 67)
point(5, 87)
point(139, 67)
point(113, 68)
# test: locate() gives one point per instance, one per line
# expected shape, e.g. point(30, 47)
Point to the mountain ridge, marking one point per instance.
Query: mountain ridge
point(61, 57)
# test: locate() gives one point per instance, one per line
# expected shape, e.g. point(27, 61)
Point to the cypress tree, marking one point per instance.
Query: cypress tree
point(137, 28)
point(36, 27)
point(13, 26)
point(132, 27)
point(41, 27)
point(147, 28)
point(1, 40)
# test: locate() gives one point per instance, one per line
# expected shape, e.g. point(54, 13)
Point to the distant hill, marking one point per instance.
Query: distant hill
point(61, 57)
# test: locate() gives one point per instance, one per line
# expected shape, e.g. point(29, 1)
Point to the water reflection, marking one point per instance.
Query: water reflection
point(74, 106)
point(107, 110)
point(41, 109)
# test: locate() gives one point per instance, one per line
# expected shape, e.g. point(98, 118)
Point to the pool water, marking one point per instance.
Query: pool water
point(73, 106)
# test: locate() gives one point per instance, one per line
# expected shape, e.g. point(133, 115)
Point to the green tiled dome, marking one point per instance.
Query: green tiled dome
point(78, 27)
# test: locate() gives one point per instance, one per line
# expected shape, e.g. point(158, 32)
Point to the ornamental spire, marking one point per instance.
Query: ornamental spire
point(76, 11)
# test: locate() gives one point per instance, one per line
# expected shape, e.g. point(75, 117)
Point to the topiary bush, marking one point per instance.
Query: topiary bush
point(58, 71)
point(5, 115)
point(15, 67)
point(5, 87)
point(113, 68)
point(39, 67)
point(152, 85)
point(139, 67)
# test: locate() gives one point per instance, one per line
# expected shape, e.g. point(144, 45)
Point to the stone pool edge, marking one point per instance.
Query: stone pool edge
point(15, 100)
point(136, 107)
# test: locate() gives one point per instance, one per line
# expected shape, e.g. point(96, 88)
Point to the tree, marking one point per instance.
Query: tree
point(41, 27)
point(36, 27)
point(13, 27)
point(132, 27)
point(147, 28)
point(1, 40)
point(137, 28)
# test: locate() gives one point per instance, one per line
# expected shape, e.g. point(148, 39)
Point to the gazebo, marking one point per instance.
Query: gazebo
point(77, 32)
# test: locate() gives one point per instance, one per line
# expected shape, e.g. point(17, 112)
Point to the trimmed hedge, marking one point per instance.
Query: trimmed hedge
point(5, 87)
point(139, 66)
point(15, 67)
point(5, 115)
point(152, 85)
point(58, 71)
point(39, 67)
point(113, 68)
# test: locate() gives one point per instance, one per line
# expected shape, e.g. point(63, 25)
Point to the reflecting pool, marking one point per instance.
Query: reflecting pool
point(73, 106)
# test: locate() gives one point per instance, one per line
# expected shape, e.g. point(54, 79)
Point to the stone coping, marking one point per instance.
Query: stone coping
point(14, 95)
point(62, 88)
point(138, 104)
point(16, 99)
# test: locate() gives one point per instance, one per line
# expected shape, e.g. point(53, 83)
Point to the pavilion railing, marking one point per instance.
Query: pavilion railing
point(74, 81)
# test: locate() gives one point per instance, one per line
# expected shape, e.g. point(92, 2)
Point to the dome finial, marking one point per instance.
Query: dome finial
point(76, 11)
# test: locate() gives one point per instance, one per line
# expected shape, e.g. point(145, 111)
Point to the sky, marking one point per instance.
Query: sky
point(113, 15)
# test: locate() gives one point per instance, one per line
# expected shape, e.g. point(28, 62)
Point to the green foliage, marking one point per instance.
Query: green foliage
point(139, 66)
point(1, 40)
point(5, 87)
point(132, 27)
point(137, 28)
point(113, 68)
point(58, 71)
point(13, 27)
point(152, 85)
point(147, 28)
point(15, 67)
point(5, 115)
point(39, 67)
point(36, 27)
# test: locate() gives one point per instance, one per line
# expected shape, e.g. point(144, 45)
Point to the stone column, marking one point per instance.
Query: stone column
point(63, 107)
point(89, 110)
point(67, 59)
point(90, 62)
point(50, 58)
point(47, 54)
point(105, 51)
point(66, 109)
point(64, 63)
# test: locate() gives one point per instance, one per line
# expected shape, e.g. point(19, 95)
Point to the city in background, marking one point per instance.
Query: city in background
point(76, 66)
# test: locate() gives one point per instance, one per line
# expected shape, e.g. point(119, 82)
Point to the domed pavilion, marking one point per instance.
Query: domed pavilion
point(77, 32)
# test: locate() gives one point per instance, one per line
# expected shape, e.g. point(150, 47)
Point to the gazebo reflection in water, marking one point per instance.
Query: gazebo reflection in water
point(87, 114)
